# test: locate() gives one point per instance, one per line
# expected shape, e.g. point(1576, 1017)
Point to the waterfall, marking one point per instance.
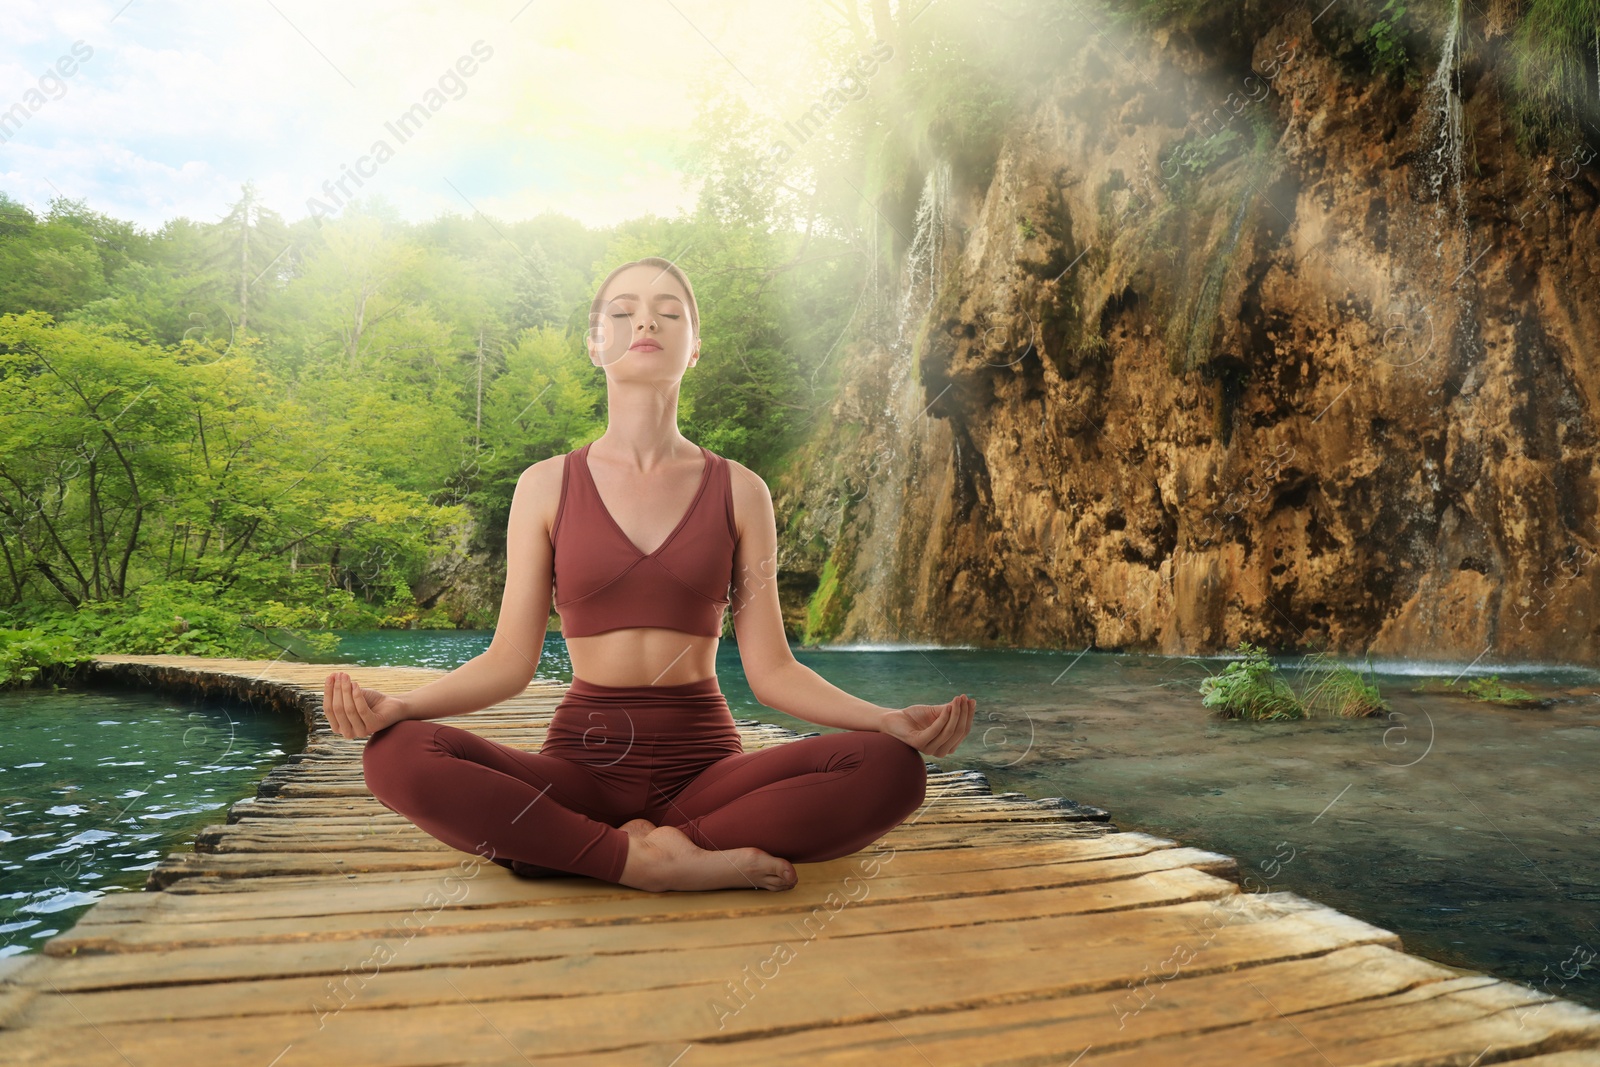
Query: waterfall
point(922, 258)
point(921, 279)
point(898, 458)
point(1445, 126)
point(1444, 141)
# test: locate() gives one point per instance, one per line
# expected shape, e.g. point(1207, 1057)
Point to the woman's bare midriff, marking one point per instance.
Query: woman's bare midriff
point(643, 655)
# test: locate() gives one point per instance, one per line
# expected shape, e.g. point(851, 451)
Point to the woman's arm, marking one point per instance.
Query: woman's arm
point(512, 658)
point(795, 689)
point(481, 682)
point(776, 678)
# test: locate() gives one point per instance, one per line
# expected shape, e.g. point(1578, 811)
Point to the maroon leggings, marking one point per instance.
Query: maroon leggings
point(667, 753)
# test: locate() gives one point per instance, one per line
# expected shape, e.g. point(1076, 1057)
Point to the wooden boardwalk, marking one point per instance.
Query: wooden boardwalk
point(318, 927)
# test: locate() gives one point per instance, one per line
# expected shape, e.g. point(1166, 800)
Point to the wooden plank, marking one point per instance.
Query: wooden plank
point(398, 832)
point(291, 898)
point(1466, 1017)
point(1205, 1018)
point(183, 865)
point(571, 1004)
point(893, 926)
point(495, 905)
point(129, 992)
point(224, 835)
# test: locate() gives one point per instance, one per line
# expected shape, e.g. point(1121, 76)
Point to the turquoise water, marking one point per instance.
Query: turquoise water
point(96, 786)
point(1469, 829)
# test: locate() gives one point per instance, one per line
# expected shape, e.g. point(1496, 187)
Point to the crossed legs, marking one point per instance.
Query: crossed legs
point(813, 799)
point(809, 800)
point(505, 803)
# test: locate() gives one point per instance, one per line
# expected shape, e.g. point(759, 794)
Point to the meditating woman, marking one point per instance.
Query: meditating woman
point(647, 538)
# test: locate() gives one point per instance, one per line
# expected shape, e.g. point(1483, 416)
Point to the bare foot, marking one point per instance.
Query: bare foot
point(665, 858)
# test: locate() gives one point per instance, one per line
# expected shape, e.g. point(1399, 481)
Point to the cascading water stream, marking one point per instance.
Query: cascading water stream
point(1444, 140)
point(1446, 127)
point(921, 277)
point(896, 464)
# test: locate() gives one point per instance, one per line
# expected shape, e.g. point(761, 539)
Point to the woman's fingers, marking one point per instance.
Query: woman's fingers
point(358, 711)
point(338, 704)
point(361, 712)
point(341, 704)
point(330, 702)
point(941, 740)
point(367, 701)
point(952, 736)
point(947, 736)
point(941, 731)
point(957, 723)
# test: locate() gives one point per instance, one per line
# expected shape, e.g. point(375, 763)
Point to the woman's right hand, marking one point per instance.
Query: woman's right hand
point(356, 712)
point(932, 729)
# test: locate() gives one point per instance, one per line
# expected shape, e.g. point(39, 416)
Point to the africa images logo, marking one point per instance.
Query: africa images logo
point(403, 127)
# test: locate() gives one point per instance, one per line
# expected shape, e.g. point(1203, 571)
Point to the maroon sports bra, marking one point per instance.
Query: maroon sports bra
point(608, 584)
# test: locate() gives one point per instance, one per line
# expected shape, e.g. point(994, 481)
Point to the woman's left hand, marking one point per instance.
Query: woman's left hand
point(932, 729)
point(356, 712)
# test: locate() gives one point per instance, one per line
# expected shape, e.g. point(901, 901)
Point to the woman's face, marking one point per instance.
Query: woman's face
point(644, 307)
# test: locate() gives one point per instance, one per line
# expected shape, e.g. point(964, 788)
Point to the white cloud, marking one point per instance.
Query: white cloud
point(577, 110)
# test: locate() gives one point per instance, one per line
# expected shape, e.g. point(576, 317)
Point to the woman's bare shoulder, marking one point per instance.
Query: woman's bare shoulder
point(540, 477)
point(751, 498)
point(538, 492)
point(745, 478)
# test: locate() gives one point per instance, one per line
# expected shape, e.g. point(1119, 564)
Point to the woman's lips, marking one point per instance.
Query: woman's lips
point(645, 346)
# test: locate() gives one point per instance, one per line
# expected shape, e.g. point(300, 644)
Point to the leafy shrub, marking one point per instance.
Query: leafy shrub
point(1251, 688)
point(175, 618)
point(1386, 40)
point(28, 656)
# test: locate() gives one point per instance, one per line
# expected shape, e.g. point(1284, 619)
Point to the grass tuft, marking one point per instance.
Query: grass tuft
point(1252, 687)
point(1339, 691)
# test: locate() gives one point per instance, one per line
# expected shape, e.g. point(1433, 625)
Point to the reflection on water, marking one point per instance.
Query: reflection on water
point(97, 786)
point(1467, 828)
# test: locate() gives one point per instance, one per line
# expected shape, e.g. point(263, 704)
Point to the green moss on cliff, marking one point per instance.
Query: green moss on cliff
point(827, 608)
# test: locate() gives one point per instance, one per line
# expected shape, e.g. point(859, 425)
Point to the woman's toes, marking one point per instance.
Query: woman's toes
point(769, 871)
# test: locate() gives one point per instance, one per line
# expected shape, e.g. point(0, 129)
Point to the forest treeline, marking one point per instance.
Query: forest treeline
point(231, 437)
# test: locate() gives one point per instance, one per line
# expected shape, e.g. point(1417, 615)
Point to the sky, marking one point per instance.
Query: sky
point(579, 108)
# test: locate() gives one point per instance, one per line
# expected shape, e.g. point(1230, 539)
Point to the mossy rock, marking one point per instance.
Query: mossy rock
point(1488, 690)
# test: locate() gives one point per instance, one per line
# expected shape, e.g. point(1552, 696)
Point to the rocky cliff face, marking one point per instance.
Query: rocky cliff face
point(1236, 343)
point(464, 582)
